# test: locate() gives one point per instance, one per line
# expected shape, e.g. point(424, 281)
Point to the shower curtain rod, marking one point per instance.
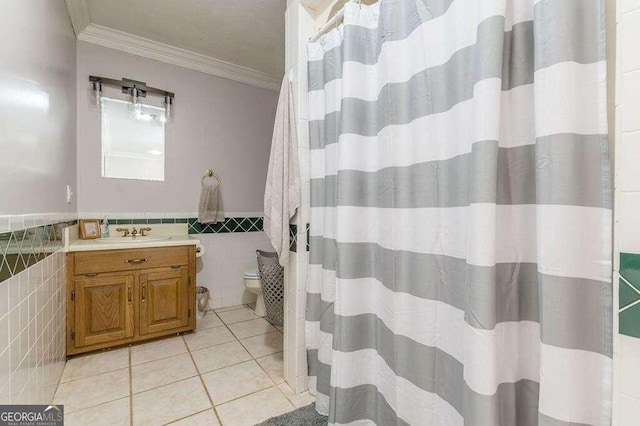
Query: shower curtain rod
point(331, 22)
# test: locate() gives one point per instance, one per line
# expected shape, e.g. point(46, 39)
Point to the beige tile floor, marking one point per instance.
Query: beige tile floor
point(228, 372)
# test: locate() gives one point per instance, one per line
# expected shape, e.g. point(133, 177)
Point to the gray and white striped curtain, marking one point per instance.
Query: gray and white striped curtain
point(460, 263)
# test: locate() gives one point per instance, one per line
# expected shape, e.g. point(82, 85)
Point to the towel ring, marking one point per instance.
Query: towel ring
point(210, 173)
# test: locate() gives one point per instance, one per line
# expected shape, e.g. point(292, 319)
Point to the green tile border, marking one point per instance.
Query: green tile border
point(22, 249)
point(629, 295)
point(629, 321)
point(630, 268)
point(230, 225)
point(293, 238)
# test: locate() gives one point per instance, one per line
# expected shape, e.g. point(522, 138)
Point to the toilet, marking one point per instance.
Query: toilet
point(252, 284)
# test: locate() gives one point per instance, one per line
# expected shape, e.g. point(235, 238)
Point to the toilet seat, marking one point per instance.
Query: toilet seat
point(252, 274)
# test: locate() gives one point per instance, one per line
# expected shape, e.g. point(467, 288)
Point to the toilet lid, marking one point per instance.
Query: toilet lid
point(252, 273)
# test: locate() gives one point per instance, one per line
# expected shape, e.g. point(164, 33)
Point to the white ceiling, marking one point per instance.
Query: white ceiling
point(248, 33)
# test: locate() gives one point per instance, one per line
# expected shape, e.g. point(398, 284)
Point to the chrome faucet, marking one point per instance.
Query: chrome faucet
point(134, 232)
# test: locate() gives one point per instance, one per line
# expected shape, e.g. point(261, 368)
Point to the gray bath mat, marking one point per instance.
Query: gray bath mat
point(305, 416)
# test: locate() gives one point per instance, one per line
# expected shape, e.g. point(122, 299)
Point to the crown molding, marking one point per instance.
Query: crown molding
point(79, 14)
point(129, 43)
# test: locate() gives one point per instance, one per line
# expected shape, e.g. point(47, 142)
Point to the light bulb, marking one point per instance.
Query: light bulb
point(96, 95)
point(134, 97)
point(168, 108)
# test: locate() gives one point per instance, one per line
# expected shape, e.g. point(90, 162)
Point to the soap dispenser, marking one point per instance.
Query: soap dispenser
point(105, 228)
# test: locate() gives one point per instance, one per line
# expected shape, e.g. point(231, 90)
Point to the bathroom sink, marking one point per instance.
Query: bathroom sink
point(133, 240)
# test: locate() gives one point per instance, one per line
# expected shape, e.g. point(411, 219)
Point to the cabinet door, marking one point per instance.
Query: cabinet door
point(103, 309)
point(164, 300)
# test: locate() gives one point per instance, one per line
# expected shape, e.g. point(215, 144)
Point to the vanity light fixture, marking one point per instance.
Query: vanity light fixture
point(134, 90)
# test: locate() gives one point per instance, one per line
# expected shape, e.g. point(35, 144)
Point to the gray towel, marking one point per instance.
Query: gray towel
point(210, 209)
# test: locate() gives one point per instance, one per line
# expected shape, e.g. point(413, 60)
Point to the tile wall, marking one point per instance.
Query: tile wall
point(32, 307)
point(299, 24)
point(627, 220)
point(226, 257)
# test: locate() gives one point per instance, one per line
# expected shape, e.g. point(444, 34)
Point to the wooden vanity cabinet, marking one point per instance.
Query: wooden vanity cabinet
point(117, 297)
point(103, 309)
point(164, 300)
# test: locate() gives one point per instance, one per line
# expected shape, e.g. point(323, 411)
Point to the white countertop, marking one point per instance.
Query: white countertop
point(171, 235)
point(174, 240)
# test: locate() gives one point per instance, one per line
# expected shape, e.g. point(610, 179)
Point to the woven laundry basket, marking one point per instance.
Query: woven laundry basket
point(272, 282)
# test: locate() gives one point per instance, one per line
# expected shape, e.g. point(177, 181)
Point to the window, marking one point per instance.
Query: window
point(132, 140)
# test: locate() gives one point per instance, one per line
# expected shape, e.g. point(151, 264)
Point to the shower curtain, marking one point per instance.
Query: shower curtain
point(460, 241)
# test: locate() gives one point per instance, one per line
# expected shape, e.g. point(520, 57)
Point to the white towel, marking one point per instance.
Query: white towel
point(210, 209)
point(282, 191)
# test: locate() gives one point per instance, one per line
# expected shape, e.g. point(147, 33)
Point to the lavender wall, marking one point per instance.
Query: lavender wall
point(37, 107)
point(37, 161)
point(219, 124)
